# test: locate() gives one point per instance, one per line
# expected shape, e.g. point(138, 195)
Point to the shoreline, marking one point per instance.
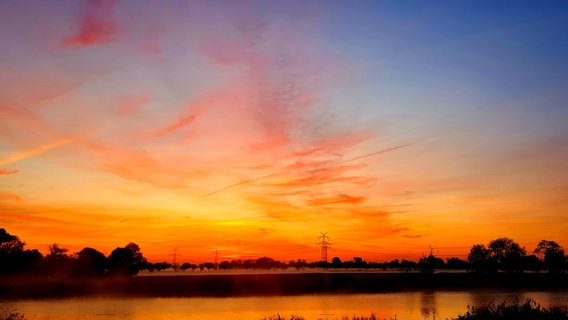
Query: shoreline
point(273, 284)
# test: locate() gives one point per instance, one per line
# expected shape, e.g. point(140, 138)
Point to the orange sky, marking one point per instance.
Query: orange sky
point(250, 129)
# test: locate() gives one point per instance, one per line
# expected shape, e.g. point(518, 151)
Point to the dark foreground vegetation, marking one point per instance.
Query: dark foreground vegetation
point(530, 309)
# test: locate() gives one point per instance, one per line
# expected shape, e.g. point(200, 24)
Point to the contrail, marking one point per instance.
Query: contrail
point(238, 184)
point(372, 154)
point(36, 151)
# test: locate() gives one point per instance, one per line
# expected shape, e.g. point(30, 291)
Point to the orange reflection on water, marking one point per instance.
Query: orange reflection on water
point(405, 305)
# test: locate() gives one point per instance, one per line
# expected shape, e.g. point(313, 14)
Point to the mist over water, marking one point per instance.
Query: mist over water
point(404, 305)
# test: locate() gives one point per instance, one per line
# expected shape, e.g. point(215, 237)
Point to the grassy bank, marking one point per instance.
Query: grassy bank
point(221, 285)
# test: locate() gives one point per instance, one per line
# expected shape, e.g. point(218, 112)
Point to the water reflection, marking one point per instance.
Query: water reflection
point(428, 305)
point(406, 305)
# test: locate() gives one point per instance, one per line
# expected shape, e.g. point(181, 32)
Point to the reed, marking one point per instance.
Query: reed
point(353, 317)
point(11, 315)
point(515, 310)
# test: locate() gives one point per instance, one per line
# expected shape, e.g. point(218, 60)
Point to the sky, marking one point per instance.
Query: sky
point(247, 128)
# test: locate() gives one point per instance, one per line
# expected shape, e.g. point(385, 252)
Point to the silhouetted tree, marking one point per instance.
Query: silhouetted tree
point(159, 266)
point(336, 262)
point(184, 266)
point(456, 263)
point(501, 253)
point(393, 264)
point(552, 254)
point(430, 262)
point(269, 263)
point(225, 265)
point(237, 264)
point(358, 262)
point(532, 263)
point(10, 249)
point(479, 258)
point(57, 261)
point(300, 264)
point(208, 266)
point(31, 260)
point(406, 265)
point(10, 244)
point(507, 254)
point(13, 257)
point(126, 261)
point(248, 264)
point(89, 262)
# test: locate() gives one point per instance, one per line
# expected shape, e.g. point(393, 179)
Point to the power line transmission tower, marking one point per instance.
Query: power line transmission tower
point(174, 262)
point(324, 245)
point(216, 254)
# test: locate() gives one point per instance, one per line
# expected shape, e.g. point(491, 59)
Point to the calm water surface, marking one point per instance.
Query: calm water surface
point(408, 305)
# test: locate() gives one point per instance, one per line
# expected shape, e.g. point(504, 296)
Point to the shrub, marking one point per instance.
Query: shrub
point(502, 311)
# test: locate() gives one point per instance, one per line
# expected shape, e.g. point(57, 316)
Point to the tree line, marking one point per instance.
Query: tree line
point(14, 259)
point(501, 254)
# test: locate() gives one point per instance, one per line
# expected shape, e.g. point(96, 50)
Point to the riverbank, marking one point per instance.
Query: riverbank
point(229, 285)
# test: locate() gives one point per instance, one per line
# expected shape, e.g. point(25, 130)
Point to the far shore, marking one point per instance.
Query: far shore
point(223, 284)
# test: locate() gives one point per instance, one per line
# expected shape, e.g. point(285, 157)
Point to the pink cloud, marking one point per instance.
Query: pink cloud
point(137, 165)
point(283, 85)
point(323, 176)
point(178, 124)
point(191, 111)
point(96, 25)
point(15, 118)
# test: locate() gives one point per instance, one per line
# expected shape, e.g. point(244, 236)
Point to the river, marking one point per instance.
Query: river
point(405, 305)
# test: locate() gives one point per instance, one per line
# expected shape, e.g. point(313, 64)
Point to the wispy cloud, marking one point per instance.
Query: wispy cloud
point(9, 171)
point(14, 118)
point(23, 155)
point(96, 24)
point(9, 196)
point(137, 165)
point(308, 173)
point(337, 199)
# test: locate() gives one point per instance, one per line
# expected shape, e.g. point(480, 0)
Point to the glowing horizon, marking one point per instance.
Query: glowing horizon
point(251, 127)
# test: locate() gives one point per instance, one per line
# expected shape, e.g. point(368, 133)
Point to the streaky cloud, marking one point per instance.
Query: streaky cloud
point(23, 155)
point(10, 196)
point(9, 171)
point(337, 199)
point(244, 182)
